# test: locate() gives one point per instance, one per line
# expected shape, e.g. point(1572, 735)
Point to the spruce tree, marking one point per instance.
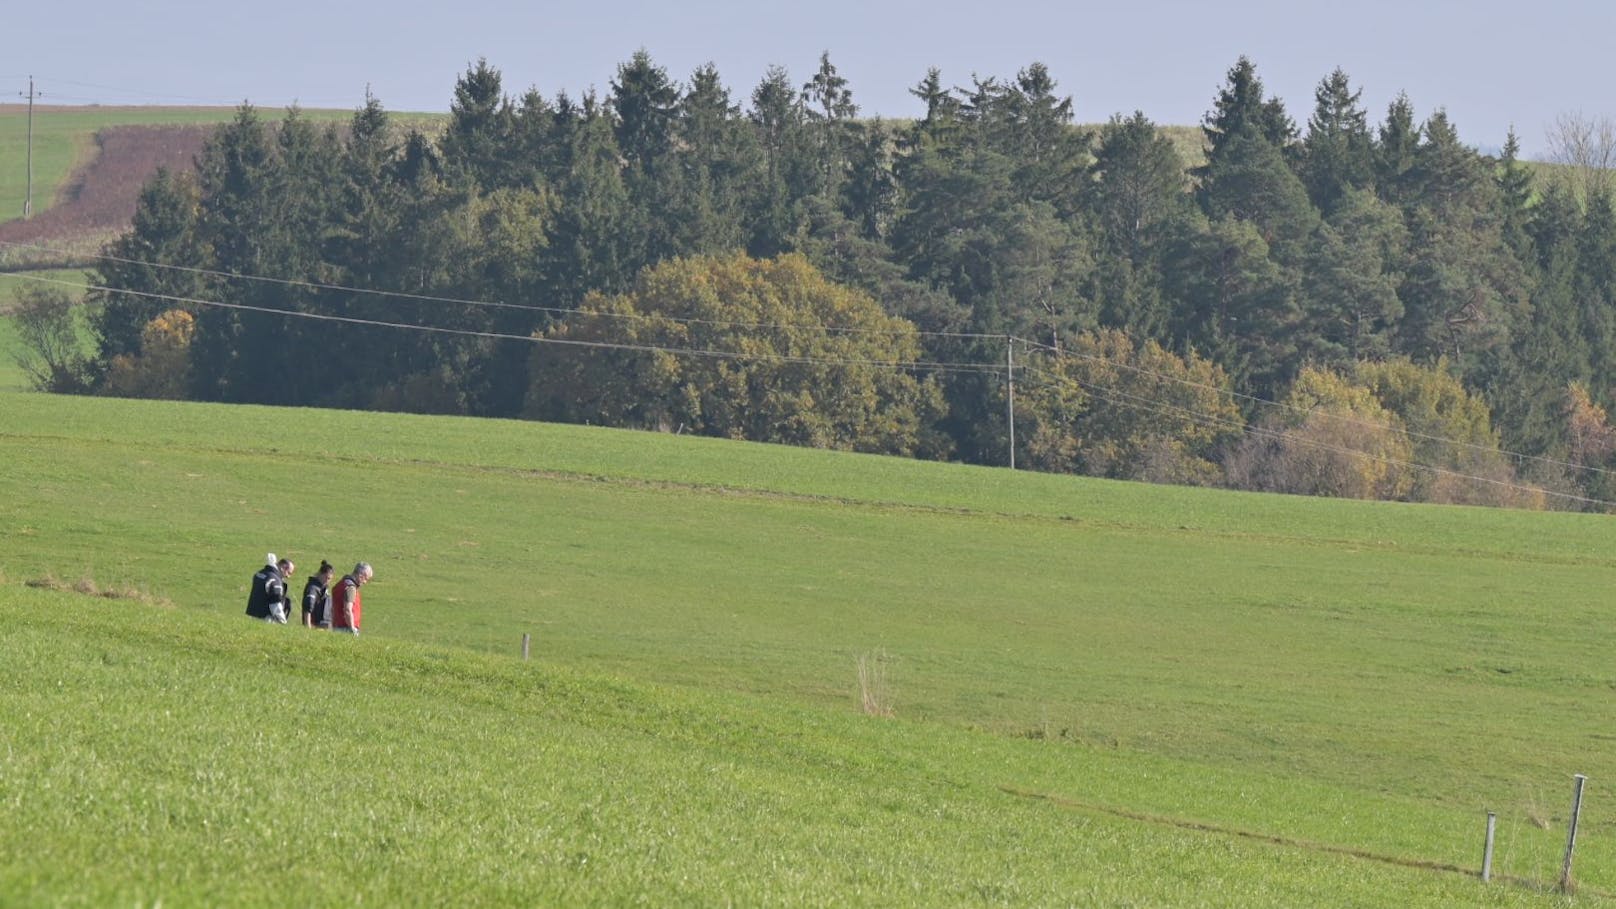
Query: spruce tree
point(645, 102)
point(829, 111)
point(1515, 193)
point(1337, 155)
point(1399, 140)
point(1596, 291)
point(1241, 110)
point(1139, 181)
point(474, 142)
point(720, 163)
point(163, 232)
point(789, 173)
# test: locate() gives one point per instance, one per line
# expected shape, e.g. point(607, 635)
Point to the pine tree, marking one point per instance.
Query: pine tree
point(534, 148)
point(1549, 351)
point(1250, 181)
point(597, 244)
point(941, 105)
point(1234, 304)
point(1464, 293)
point(870, 198)
point(235, 218)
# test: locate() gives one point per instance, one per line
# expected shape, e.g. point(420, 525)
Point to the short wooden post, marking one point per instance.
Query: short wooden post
point(1571, 835)
point(1487, 852)
point(524, 646)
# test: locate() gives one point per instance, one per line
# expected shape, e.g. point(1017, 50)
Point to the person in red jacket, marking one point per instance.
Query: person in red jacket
point(345, 599)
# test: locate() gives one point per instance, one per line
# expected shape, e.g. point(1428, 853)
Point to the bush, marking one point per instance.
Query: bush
point(48, 323)
point(795, 383)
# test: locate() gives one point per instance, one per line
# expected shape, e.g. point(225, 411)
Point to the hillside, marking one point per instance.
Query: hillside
point(1172, 668)
point(90, 162)
point(97, 200)
point(164, 758)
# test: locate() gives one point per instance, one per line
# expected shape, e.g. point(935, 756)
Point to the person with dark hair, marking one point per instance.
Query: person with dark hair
point(267, 598)
point(345, 599)
point(317, 597)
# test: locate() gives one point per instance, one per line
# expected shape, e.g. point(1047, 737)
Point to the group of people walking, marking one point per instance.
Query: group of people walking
point(335, 607)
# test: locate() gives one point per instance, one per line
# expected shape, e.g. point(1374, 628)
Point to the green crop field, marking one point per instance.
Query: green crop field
point(1100, 693)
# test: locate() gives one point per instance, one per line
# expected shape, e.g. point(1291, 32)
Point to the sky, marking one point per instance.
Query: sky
point(1492, 65)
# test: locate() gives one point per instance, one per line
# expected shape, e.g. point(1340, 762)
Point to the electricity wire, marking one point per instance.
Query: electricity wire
point(917, 365)
point(213, 101)
point(497, 304)
point(937, 367)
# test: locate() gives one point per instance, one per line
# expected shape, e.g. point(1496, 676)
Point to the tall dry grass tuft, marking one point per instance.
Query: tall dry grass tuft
point(875, 695)
point(87, 586)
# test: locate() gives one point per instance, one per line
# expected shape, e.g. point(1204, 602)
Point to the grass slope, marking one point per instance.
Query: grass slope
point(156, 756)
point(1343, 675)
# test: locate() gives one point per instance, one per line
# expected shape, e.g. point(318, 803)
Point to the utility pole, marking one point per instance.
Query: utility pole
point(1010, 381)
point(28, 200)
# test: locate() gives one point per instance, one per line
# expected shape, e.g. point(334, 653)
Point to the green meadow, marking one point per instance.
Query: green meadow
point(1097, 692)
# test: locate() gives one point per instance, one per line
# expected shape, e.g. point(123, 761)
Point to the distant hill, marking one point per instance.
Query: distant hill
point(97, 199)
point(90, 162)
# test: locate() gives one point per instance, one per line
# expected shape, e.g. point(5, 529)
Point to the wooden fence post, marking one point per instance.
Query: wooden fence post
point(1487, 853)
point(1571, 835)
point(524, 646)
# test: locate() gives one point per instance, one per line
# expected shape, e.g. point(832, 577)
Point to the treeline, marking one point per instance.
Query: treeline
point(1414, 307)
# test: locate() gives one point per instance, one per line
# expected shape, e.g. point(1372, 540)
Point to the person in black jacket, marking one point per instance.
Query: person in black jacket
point(267, 598)
point(317, 597)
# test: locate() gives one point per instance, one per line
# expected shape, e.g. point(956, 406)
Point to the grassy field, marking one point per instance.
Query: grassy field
point(1143, 694)
point(157, 756)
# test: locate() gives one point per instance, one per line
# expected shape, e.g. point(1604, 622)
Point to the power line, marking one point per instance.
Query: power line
point(938, 367)
point(210, 101)
point(496, 304)
point(1113, 396)
point(918, 365)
